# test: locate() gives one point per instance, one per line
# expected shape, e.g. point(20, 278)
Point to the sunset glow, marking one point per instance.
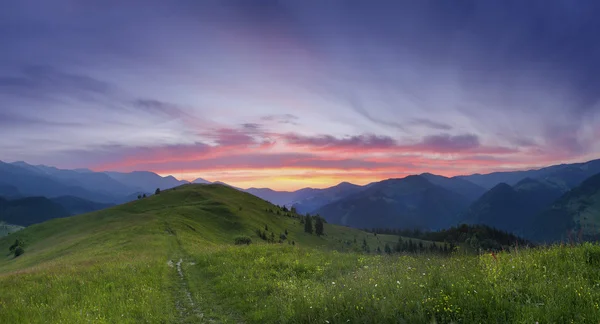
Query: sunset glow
point(286, 95)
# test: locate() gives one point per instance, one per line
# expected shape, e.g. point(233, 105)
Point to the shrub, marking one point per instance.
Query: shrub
point(240, 240)
point(19, 251)
point(157, 192)
point(282, 236)
point(18, 242)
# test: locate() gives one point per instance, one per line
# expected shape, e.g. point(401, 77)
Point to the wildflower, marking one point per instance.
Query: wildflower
point(333, 282)
point(375, 285)
point(398, 282)
point(423, 273)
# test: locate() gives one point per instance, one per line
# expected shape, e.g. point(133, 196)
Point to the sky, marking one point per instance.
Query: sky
point(290, 94)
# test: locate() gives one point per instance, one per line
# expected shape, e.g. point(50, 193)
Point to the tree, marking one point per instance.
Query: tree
point(239, 240)
point(19, 251)
point(399, 245)
point(144, 196)
point(308, 228)
point(157, 191)
point(319, 226)
point(139, 196)
point(293, 210)
point(387, 249)
point(18, 242)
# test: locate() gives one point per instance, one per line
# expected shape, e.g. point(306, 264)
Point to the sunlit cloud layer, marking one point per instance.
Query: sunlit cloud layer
point(288, 94)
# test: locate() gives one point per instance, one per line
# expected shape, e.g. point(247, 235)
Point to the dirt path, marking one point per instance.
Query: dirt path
point(189, 312)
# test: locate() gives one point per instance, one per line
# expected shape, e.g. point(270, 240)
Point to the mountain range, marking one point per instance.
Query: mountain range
point(513, 201)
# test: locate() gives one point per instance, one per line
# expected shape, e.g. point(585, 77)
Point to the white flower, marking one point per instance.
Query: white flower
point(398, 282)
point(333, 282)
point(375, 285)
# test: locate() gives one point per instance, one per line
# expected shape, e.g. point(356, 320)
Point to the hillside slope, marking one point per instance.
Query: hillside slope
point(511, 208)
point(574, 215)
point(115, 262)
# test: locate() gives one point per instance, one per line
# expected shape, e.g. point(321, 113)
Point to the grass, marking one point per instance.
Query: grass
point(122, 265)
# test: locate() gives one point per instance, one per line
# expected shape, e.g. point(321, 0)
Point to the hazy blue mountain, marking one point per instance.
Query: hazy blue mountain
point(306, 200)
point(273, 196)
point(30, 210)
point(31, 181)
point(309, 200)
point(463, 187)
point(145, 181)
point(91, 181)
point(575, 214)
point(9, 191)
point(411, 202)
point(76, 205)
point(564, 176)
point(201, 181)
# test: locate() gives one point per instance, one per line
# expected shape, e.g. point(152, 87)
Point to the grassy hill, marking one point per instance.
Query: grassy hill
point(170, 258)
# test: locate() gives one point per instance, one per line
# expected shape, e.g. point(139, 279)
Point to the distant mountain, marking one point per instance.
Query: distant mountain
point(576, 212)
point(145, 181)
point(564, 176)
point(463, 187)
point(30, 210)
point(309, 200)
point(511, 208)
point(201, 181)
point(9, 191)
point(411, 202)
point(30, 181)
point(272, 196)
point(91, 181)
point(76, 205)
point(306, 200)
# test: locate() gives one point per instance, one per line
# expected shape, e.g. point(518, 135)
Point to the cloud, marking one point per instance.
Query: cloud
point(441, 143)
point(327, 141)
point(38, 81)
point(430, 124)
point(282, 119)
point(449, 143)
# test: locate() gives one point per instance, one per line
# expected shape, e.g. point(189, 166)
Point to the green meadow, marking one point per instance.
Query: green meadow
point(171, 258)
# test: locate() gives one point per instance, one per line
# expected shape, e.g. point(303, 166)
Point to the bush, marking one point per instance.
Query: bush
point(282, 236)
point(18, 242)
point(19, 251)
point(240, 240)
